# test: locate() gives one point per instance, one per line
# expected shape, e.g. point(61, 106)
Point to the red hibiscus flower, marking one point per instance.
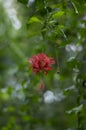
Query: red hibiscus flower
point(41, 62)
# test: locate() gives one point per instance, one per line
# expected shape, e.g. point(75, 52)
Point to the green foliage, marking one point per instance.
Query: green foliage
point(58, 29)
point(23, 1)
point(34, 20)
point(57, 14)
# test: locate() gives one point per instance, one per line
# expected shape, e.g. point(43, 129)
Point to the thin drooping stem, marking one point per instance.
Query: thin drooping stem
point(75, 8)
point(78, 114)
point(79, 117)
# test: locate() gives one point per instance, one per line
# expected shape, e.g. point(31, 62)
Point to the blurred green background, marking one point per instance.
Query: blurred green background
point(58, 29)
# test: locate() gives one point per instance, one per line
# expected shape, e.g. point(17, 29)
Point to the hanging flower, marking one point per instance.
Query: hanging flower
point(41, 86)
point(41, 62)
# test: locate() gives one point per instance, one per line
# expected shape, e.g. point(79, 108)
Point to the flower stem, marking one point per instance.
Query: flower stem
point(79, 117)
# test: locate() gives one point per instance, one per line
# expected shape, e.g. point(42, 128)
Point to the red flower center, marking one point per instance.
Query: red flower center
point(41, 62)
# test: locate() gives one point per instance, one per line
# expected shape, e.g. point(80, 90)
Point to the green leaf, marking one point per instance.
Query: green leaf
point(61, 27)
point(9, 90)
point(58, 14)
point(26, 118)
point(23, 1)
point(4, 96)
point(11, 109)
point(34, 20)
